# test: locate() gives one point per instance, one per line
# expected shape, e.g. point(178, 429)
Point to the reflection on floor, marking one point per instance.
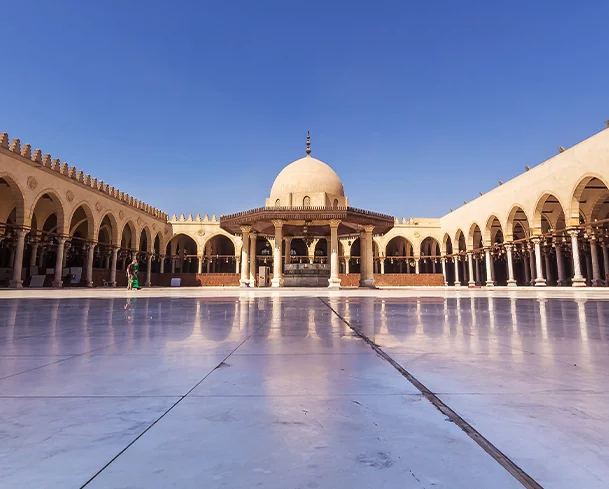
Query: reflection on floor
point(277, 391)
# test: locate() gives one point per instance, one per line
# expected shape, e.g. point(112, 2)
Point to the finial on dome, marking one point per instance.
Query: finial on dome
point(308, 151)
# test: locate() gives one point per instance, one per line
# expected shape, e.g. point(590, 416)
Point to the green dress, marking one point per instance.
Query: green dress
point(136, 271)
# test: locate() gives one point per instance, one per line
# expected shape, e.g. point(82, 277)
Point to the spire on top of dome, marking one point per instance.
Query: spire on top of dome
point(308, 150)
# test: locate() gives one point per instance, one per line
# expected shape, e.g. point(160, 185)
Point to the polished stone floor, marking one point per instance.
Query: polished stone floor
point(260, 389)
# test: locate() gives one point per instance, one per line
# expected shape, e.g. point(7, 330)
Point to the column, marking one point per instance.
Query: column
point(253, 237)
point(57, 282)
point(605, 260)
point(106, 261)
point(245, 260)
point(17, 283)
point(457, 279)
point(532, 259)
point(113, 266)
point(417, 265)
point(162, 264)
point(382, 260)
point(347, 260)
point(149, 271)
point(334, 280)
point(560, 265)
point(173, 264)
point(41, 258)
point(470, 269)
point(200, 264)
point(362, 258)
point(527, 266)
point(489, 273)
point(588, 259)
point(277, 258)
point(90, 256)
point(546, 255)
point(369, 282)
point(478, 279)
point(578, 280)
point(539, 280)
point(597, 281)
point(287, 259)
point(34, 252)
point(237, 261)
point(443, 260)
point(510, 262)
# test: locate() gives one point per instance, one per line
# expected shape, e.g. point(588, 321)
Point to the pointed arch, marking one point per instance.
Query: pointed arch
point(129, 236)
point(46, 204)
point(493, 231)
point(549, 214)
point(518, 224)
point(82, 221)
point(12, 197)
point(589, 199)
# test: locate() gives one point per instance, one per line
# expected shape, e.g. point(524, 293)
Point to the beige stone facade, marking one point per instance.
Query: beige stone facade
point(547, 226)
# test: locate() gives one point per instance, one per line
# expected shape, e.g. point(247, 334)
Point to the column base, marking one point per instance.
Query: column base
point(598, 283)
point(578, 282)
point(561, 283)
point(368, 283)
point(58, 284)
point(147, 284)
point(540, 282)
point(512, 283)
point(490, 283)
point(276, 282)
point(244, 283)
point(457, 284)
point(471, 283)
point(113, 284)
point(90, 284)
point(15, 284)
point(333, 283)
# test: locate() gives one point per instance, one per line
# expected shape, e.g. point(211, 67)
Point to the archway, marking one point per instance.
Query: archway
point(11, 218)
point(105, 240)
point(219, 255)
point(430, 255)
point(299, 252)
point(321, 251)
point(549, 221)
point(48, 221)
point(399, 256)
point(182, 254)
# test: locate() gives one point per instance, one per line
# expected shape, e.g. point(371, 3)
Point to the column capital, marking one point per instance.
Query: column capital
point(21, 232)
point(278, 223)
point(573, 232)
point(535, 239)
point(334, 223)
point(246, 229)
point(369, 228)
point(508, 246)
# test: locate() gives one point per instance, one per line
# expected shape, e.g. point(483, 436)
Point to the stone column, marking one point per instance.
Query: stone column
point(605, 260)
point(287, 259)
point(16, 282)
point(527, 266)
point(277, 258)
point(539, 280)
point(245, 260)
point(489, 273)
point(362, 259)
point(200, 264)
point(382, 261)
point(173, 264)
point(34, 252)
point(417, 265)
point(532, 259)
point(470, 268)
point(57, 282)
point(597, 280)
point(457, 279)
point(347, 260)
point(560, 265)
point(41, 258)
point(64, 260)
point(149, 271)
point(90, 256)
point(478, 279)
point(253, 237)
point(113, 266)
point(546, 255)
point(162, 264)
point(578, 279)
point(443, 260)
point(369, 257)
point(334, 280)
point(510, 263)
point(237, 260)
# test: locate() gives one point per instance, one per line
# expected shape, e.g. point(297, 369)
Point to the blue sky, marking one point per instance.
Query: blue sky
point(195, 106)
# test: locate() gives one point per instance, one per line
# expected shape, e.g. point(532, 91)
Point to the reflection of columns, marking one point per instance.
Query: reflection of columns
point(443, 260)
point(489, 273)
point(34, 252)
point(253, 237)
point(113, 266)
point(560, 265)
point(578, 280)
point(334, 281)
point(149, 271)
point(457, 279)
point(369, 282)
point(90, 256)
point(539, 280)
point(510, 262)
point(277, 258)
point(470, 268)
point(245, 260)
point(596, 272)
point(17, 283)
point(61, 241)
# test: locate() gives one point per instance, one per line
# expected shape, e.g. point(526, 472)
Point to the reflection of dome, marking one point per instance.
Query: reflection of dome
point(307, 175)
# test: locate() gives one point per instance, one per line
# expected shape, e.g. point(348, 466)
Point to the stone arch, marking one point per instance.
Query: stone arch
point(474, 237)
point(401, 245)
point(493, 231)
point(47, 203)
point(182, 241)
point(518, 224)
point(157, 243)
point(12, 198)
point(589, 199)
point(82, 214)
point(549, 214)
point(306, 201)
point(145, 242)
point(109, 222)
point(447, 245)
point(278, 203)
point(129, 236)
point(430, 246)
point(460, 243)
point(220, 233)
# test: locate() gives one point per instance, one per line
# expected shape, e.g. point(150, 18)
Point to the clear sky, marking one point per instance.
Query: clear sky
point(195, 106)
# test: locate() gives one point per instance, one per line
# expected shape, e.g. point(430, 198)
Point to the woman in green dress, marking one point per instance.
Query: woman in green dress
point(132, 275)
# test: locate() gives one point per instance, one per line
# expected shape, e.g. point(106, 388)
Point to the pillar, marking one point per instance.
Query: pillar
point(478, 279)
point(237, 261)
point(245, 261)
point(173, 264)
point(277, 258)
point(369, 282)
point(578, 279)
point(90, 256)
point(546, 255)
point(532, 259)
point(588, 259)
point(347, 260)
point(560, 265)
point(57, 282)
point(16, 282)
point(510, 264)
point(149, 271)
point(489, 272)
point(457, 279)
point(382, 260)
point(162, 264)
point(597, 281)
point(527, 266)
point(200, 264)
point(417, 265)
point(41, 258)
point(443, 260)
point(470, 269)
point(253, 259)
point(34, 252)
point(362, 259)
point(287, 259)
point(334, 280)
point(539, 280)
point(113, 266)
point(605, 261)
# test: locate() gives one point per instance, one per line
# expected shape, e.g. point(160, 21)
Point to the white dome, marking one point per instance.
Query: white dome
point(306, 175)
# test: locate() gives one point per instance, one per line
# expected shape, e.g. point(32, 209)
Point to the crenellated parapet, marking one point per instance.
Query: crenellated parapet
point(25, 153)
point(182, 218)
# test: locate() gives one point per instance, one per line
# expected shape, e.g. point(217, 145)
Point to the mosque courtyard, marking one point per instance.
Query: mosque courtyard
point(308, 388)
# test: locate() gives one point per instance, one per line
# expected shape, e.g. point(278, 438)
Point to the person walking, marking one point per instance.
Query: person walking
point(132, 275)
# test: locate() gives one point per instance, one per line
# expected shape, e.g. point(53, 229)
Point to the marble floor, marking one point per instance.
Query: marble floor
point(272, 389)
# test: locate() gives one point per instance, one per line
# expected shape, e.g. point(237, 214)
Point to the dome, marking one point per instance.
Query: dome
point(306, 175)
